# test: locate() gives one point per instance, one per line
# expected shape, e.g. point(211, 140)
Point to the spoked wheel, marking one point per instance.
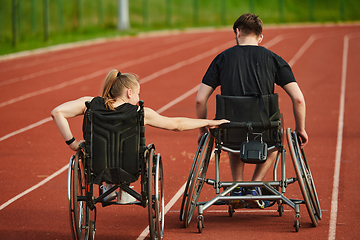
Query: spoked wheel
point(186, 191)
point(81, 225)
point(305, 179)
point(156, 196)
point(197, 179)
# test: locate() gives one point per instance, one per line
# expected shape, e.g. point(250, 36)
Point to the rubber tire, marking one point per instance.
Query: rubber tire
point(79, 210)
point(197, 179)
point(304, 178)
point(186, 191)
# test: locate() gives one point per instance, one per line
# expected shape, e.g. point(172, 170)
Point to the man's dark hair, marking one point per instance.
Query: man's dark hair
point(249, 23)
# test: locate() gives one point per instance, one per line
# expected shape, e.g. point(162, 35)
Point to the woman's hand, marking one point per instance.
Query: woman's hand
point(211, 124)
point(215, 123)
point(76, 145)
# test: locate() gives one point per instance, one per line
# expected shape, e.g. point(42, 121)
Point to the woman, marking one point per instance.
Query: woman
point(121, 93)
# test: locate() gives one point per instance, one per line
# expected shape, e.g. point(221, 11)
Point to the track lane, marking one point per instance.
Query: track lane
point(183, 109)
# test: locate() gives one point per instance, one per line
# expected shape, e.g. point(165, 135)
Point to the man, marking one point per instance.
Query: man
point(248, 68)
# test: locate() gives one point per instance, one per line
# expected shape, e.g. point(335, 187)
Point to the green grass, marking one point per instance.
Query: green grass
point(101, 20)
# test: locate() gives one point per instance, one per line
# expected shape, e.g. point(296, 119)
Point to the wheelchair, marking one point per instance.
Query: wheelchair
point(256, 128)
point(114, 152)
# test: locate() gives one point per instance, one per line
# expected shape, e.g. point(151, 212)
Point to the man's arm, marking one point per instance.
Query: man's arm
point(299, 108)
point(202, 97)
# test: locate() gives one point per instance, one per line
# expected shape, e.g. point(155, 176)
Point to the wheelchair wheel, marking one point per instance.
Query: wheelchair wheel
point(197, 179)
point(82, 227)
point(305, 179)
point(186, 191)
point(156, 196)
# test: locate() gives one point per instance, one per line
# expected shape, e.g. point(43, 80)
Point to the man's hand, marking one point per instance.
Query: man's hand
point(303, 138)
point(202, 131)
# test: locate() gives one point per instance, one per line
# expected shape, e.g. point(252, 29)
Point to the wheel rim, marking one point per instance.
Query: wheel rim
point(79, 207)
point(301, 175)
point(186, 191)
point(70, 196)
point(80, 210)
point(151, 199)
point(307, 179)
point(311, 184)
point(159, 198)
point(197, 180)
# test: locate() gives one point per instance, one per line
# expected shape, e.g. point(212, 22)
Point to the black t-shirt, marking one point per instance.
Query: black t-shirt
point(241, 70)
point(97, 104)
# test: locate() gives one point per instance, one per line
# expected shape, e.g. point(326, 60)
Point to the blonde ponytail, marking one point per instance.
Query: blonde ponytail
point(114, 85)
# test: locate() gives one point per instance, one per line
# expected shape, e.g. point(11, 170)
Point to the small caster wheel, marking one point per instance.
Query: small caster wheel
point(231, 211)
point(200, 223)
point(297, 223)
point(92, 230)
point(281, 210)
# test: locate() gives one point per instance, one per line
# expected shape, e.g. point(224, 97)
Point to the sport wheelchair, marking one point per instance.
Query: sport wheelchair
point(114, 152)
point(255, 129)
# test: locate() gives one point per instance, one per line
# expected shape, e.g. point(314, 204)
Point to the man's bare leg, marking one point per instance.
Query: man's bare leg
point(262, 169)
point(237, 167)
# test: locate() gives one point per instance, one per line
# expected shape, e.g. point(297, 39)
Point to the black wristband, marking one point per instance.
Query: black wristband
point(68, 142)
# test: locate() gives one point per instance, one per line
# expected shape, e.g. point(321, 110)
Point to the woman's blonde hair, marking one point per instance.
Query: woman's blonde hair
point(114, 85)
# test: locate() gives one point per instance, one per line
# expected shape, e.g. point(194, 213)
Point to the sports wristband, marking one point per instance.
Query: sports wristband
point(68, 142)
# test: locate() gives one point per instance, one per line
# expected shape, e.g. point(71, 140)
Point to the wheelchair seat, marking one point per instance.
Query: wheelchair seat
point(250, 116)
point(114, 142)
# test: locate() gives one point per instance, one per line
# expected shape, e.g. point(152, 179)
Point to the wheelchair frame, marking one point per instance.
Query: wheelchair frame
point(276, 188)
point(82, 201)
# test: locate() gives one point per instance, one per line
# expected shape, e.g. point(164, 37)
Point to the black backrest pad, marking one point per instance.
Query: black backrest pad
point(115, 145)
point(246, 109)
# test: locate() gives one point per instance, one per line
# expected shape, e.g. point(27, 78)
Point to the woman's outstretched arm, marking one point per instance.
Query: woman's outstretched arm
point(154, 119)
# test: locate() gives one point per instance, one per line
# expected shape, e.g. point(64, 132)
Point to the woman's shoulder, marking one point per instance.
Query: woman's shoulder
point(95, 103)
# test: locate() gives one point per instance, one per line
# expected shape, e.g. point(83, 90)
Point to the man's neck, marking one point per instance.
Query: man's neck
point(248, 40)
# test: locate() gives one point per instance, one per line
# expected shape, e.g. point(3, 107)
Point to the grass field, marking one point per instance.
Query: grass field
point(75, 20)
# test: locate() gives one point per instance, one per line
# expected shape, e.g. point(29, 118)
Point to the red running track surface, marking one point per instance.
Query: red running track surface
point(33, 201)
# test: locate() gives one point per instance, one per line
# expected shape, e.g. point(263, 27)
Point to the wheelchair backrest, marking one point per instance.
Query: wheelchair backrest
point(115, 143)
point(248, 109)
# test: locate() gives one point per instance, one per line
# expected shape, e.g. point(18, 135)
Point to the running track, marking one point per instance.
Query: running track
point(33, 176)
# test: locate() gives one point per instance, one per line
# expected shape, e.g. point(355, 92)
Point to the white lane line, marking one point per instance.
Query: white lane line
point(275, 40)
point(302, 50)
point(34, 187)
point(56, 87)
point(167, 208)
point(179, 99)
point(34, 125)
point(335, 191)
